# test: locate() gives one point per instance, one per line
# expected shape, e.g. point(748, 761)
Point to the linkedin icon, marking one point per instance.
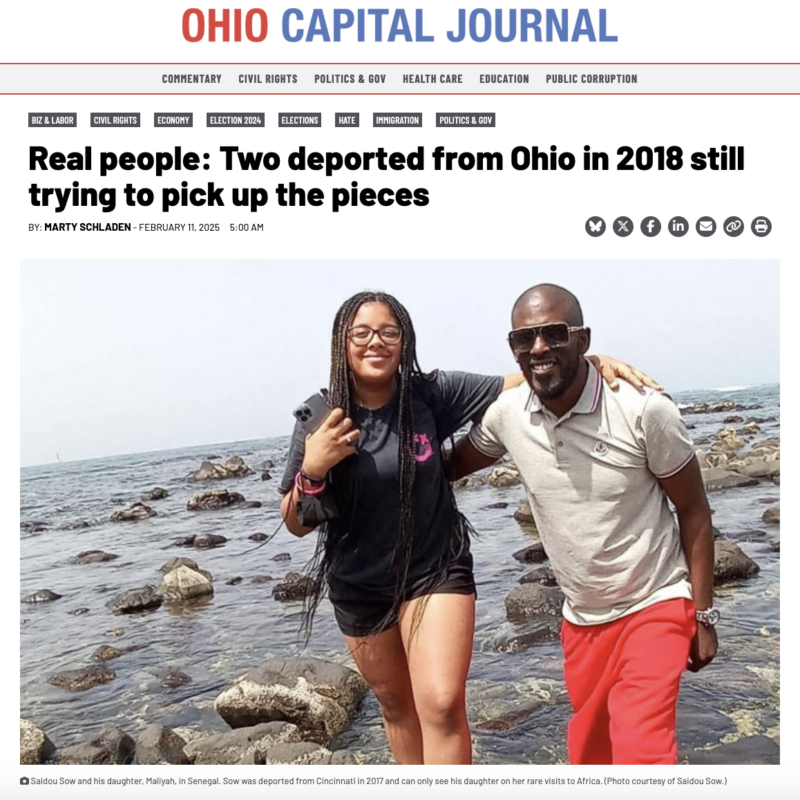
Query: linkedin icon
point(678, 226)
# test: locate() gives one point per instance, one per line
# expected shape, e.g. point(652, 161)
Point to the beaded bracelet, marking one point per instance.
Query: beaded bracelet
point(303, 489)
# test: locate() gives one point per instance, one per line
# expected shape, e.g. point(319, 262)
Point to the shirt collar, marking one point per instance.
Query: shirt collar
point(587, 402)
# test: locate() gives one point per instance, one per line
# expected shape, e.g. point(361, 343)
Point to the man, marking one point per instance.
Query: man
point(599, 466)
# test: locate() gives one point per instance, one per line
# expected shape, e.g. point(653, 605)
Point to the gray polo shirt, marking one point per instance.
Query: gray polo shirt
point(592, 480)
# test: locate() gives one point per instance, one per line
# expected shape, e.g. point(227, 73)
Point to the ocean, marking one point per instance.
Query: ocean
point(242, 625)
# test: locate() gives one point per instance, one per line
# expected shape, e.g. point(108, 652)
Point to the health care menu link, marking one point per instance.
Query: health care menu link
point(399, 79)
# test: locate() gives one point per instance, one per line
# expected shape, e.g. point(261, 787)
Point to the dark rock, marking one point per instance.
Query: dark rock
point(159, 745)
point(206, 541)
point(258, 537)
point(214, 499)
point(95, 557)
point(534, 554)
point(541, 575)
point(33, 526)
point(106, 653)
point(42, 596)
point(733, 418)
point(78, 525)
point(772, 515)
point(258, 579)
point(234, 581)
point(717, 479)
point(267, 464)
point(510, 719)
point(749, 750)
point(542, 632)
point(117, 744)
point(135, 600)
point(265, 475)
point(34, 745)
point(496, 507)
point(250, 504)
point(243, 743)
point(319, 697)
point(82, 755)
point(156, 494)
point(306, 753)
point(133, 513)
point(282, 558)
point(173, 678)
point(775, 546)
point(78, 612)
point(79, 680)
point(471, 482)
point(730, 563)
point(532, 600)
point(213, 457)
point(178, 561)
point(294, 586)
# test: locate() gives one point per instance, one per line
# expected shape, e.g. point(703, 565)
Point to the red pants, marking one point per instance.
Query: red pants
point(623, 679)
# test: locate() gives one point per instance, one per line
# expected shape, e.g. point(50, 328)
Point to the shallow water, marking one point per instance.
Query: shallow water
point(243, 625)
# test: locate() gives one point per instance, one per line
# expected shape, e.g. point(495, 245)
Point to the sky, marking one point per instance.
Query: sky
point(134, 356)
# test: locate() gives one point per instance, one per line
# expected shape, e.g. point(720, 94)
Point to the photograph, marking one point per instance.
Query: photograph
point(360, 512)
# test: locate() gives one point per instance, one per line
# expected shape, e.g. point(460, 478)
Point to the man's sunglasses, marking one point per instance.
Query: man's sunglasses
point(556, 334)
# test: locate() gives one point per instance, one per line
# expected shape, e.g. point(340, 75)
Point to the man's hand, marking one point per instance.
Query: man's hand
point(612, 368)
point(703, 649)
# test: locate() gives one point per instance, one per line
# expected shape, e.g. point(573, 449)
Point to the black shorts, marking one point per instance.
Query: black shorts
point(361, 613)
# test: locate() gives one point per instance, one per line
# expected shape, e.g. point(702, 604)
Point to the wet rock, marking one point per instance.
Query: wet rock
point(732, 419)
point(510, 719)
point(214, 457)
point(118, 744)
point(79, 680)
point(282, 558)
point(184, 583)
point(749, 750)
point(33, 526)
point(207, 541)
point(95, 557)
point(541, 575)
point(532, 600)
point(524, 514)
point(716, 480)
point(306, 753)
point(106, 653)
point(42, 596)
point(730, 563)
point(258, 537)
point(234, 467)
point(772, 515)
point(759, 469)
point(174, 678)
point(160, 745)
point(78, 525)
point(319, 697)
point(267, 464)
point(214, 499)
point(178, 561)
point(717, 408)
point(156, 494)
point(250, 504)
point(293, 586)
point(34, 746)
point(83, 754)
point(258, 579)
point(471, 482)
point(133, 513)
point(775, 546)
point(265, 475)
point(496, 507)
point(534, 554)
point(727, 439)
point(135, 600)
point(243, 743)
point(234, 581)
point(504, 477)
point(78, 612)
point(542, 632)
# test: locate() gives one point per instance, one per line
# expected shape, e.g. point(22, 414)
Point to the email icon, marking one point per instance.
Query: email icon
point(706, 226)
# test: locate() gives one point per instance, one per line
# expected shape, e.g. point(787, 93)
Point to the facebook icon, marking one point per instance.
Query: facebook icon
point(650, 226)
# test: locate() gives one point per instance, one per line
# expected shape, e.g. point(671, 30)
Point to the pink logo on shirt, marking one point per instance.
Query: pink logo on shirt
point(423, 449)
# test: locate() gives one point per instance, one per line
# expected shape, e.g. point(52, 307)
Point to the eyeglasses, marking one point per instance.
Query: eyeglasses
point(556, 334)
point(362, 334)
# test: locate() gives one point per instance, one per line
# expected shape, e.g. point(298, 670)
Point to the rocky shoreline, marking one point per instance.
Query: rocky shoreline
point(290, 711)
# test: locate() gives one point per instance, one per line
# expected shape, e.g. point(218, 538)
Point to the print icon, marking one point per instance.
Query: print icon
point(733, 226)
point(623, 226)
point(678, 226)
point(706, 226)
point(651, 226)
point(595, 226)
point(761, 226)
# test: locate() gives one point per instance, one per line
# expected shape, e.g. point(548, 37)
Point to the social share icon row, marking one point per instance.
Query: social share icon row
point(678, 226)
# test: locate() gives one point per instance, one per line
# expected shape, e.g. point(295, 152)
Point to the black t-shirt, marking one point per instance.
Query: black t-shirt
point(439, 408)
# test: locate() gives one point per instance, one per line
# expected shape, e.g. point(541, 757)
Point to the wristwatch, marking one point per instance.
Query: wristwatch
point(708, 617)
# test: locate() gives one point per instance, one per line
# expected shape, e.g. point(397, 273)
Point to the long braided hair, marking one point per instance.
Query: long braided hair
point(344, 476)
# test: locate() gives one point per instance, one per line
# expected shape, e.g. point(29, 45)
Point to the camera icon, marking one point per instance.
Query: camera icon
point(24, 781)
